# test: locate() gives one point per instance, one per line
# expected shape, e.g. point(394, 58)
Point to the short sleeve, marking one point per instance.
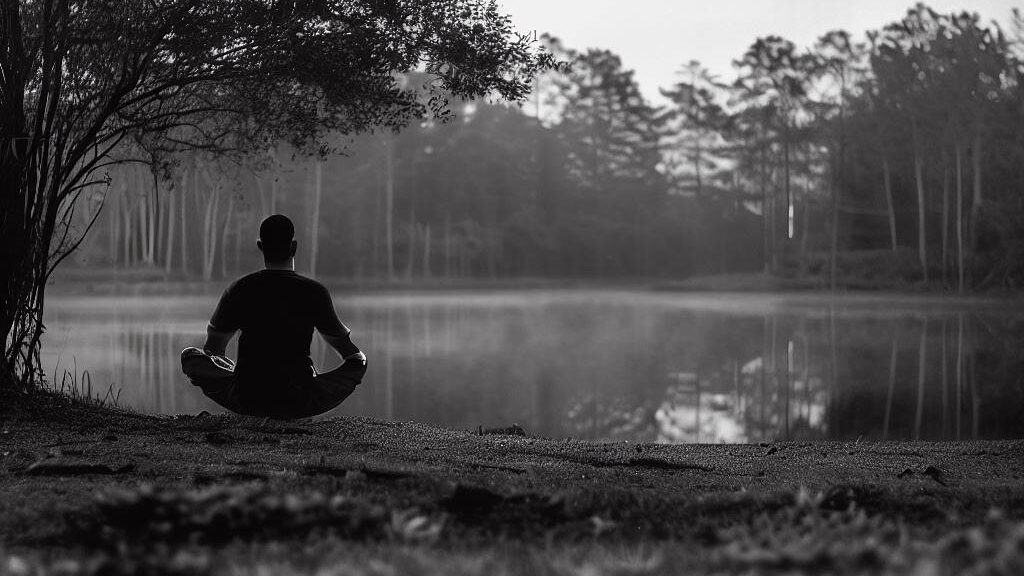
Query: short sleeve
point(226, 316)
point(325, 319)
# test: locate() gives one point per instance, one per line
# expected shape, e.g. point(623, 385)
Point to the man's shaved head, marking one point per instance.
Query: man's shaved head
point(276, 235)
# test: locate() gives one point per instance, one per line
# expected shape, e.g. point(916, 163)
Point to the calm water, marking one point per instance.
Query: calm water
point(611, 365)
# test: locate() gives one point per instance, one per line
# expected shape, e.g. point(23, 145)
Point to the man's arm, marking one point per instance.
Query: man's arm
point(217, 341)
point(335, 333)
point(345, 347)
point(224, 323)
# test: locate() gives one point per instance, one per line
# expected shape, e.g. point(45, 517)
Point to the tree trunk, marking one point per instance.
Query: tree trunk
point(225, 227)
point(210, 218)
point(274, 185)
point(378, 201)
point(21, 316)
point(977, 200)
point(158, 217)
point(238, 246)
point(787, 184)
point(128, 237)
point(766, 214)
point(207, 224)
point(805, 225)
point(959, 220)
point(147, 223)
point(834, 245)
point(168, 257)
point(805, 228)
point(151, 213)
point(143, 228)
point(887, 176)
point(410, 256)
point(115, 227)
point(945, 222)
point(945, 215)
point(263, 193)
point(389, 206)
point(922, 232)
point(212, 236)
point(314, 233)
point(184, 224)
point(17, 284)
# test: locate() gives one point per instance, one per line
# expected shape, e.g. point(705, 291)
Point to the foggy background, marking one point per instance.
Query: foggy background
point(746, 161)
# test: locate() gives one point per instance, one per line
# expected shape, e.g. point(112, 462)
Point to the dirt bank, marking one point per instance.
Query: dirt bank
point(85, 490)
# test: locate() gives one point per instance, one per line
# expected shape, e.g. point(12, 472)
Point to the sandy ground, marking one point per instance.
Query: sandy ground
point(89, 490)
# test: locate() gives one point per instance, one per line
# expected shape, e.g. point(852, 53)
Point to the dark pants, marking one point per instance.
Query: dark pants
point(297, 398)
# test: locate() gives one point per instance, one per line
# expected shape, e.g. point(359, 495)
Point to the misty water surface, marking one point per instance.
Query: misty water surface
point(638, 366)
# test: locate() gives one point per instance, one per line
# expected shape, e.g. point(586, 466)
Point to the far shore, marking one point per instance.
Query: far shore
point(154, 282)
point(86, 489)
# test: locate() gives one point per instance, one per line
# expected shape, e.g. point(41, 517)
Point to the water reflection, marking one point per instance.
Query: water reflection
point(615, 366)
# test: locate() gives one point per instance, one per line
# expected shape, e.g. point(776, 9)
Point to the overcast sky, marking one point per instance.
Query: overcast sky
point(655, 37)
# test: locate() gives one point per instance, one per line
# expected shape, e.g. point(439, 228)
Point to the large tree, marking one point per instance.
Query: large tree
point(837, 68)
point(772, 84)
point(612, 133)
point(695, 121)
point(79, 78)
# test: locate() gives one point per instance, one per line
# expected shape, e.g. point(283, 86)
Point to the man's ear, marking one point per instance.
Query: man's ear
point(259, 244)
point(291, 252)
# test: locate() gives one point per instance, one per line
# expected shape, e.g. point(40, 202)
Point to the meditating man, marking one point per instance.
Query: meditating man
point(276, 311)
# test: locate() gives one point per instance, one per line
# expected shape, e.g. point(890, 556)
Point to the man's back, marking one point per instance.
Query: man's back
point(276, 311)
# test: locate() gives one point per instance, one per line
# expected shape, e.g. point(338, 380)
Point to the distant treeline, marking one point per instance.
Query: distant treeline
point(900, 157)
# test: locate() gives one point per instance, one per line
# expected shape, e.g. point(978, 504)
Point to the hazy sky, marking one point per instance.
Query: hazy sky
point(655, 37)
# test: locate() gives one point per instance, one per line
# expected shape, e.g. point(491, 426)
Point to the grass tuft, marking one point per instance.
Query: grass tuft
point(77, 387)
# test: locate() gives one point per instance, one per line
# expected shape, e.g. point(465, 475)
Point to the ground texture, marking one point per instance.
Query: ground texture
point(85, 490)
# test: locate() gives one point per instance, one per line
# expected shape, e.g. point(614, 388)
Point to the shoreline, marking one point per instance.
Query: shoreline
point(154, 282)
point(734, 284)
point(101, 487)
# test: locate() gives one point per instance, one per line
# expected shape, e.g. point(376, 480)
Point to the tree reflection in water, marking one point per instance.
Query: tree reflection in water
point(914, 379)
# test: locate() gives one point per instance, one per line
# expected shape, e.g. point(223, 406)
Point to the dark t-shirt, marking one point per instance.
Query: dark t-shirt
point(276, 311)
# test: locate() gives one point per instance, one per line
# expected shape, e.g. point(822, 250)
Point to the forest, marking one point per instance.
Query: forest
point(893, 159)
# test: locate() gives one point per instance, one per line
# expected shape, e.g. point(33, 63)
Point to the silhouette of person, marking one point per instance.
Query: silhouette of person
point(276, 310)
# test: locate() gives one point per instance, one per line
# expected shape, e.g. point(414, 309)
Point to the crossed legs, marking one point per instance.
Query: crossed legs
point(309, 397)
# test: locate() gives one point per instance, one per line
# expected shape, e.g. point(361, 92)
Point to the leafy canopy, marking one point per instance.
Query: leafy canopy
point(242, 73)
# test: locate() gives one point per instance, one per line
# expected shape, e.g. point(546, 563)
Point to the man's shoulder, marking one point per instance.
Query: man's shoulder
point(312, 285)
point(277, 277)
point(251, 278)
point(252, 281)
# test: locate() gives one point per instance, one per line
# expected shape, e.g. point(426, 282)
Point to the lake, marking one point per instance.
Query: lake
point(608, 364)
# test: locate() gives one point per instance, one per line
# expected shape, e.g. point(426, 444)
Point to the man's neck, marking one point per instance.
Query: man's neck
point(286, 265)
